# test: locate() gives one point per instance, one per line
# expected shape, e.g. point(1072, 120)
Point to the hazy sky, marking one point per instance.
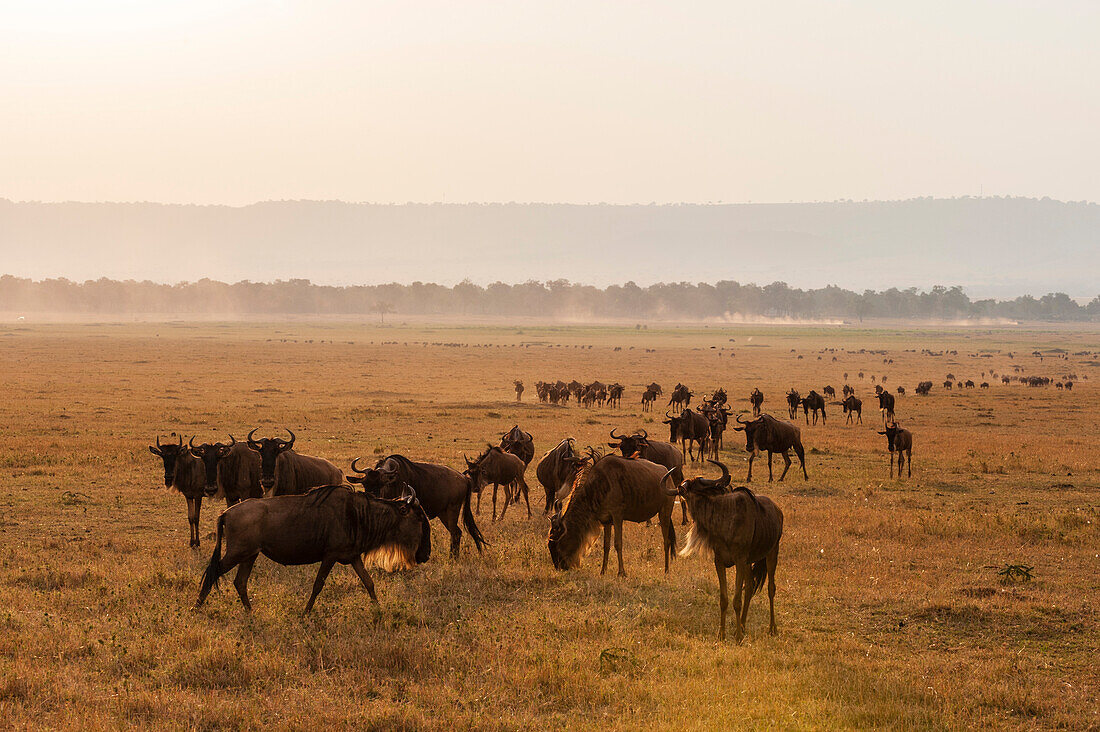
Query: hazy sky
point(229, 101)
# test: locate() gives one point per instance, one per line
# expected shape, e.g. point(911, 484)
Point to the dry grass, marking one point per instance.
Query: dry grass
point(890, 608)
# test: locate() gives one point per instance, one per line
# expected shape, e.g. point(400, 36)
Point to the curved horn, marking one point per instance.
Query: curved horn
point(232, 441)
point(411, 498)
point(249, 439)
point(739, 420)
point(725, 480)
point(667, 414)
point(181, 440)
point(158, 442)
point(191, 442)
point(614, 436)
point(355, 466)
point(292, 438)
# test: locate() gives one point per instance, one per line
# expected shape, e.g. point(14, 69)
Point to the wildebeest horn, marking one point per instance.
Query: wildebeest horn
point(355, 466)
point(249, 439)
point(725, 480)
point(232, 440)
point(740, 421)
point(411, 498)
point(292, 438)
point(158, 442)
point(667, 414)
point(673, 491)
point(191, 442)
point(645, 435)
point(614, 436)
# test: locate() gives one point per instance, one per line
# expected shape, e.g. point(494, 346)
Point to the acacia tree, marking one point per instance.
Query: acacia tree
point(381, 307)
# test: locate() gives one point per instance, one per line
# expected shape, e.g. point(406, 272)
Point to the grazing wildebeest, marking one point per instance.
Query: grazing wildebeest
point(501, 469)
point(772, 435)
point(690, 428)
point(231, 468)
point(1006, 379)
point(853, 406)
point(557, 469)
point(969, 384)
point(184, 472)
point(681, 398)
point(829, 391)
point(331, 525)
point(648, 397)
point(756, 399)
point(655, 451)
point(923, 388)
point(615, 395)
point(901, 390)
point(284, 472)
point(519, 389)
point(886, 406)
point(899, 441)
point(812, 403)
point(794, 400)
point(607, 491)
point(742, 530)
point(519, 443)
point(443, 493)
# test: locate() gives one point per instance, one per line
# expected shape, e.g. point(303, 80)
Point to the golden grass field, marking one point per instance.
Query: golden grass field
point(890, 609)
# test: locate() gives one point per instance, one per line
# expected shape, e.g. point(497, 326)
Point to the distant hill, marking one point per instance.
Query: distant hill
point(999, 247)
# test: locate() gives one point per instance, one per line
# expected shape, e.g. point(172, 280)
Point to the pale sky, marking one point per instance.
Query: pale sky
point(232, 101)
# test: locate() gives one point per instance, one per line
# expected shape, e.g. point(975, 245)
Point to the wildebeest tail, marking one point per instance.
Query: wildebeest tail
point(214, 569)
point(468, 520)
point(672, 536)
point(759, 575)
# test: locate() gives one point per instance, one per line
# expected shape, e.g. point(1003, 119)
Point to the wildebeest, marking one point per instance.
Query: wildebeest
point(756, 399)
point(813, 402)
point(718, 398)
point(501, 469)
point(886, 406)
point(742, 530)
point(901, 390)
point(184, 472)
point(557, 469)
point(443, 493)
point(331, 525)
point(899, 441)
point(969, 384)
point(655, 388)
point(947, 385)
point(717, 419)
point(284, 472)
point(690, 428)
point(615, 395)
point(648, 397)
point(607, 491)
point(681, 398)
point(923, 388)
point(655, 451)
point(231, 468)
point(985, 385)
point(829, 391)
point(772, 435)
point(794, 400)
point(853, 406)
point(519, 389)
point(519, 443)
point(847, 390)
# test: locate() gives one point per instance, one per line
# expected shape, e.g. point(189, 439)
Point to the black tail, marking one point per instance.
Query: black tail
point(672, 536)
point(759, 576)
point(468, 520)
point(214, 569)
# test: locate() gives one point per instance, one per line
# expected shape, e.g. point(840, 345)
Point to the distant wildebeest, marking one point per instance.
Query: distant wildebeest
point(655, 451)
point(901, 390)
point(690, 428)
point(813, 402)
point(886, 406)
point(615, 395)
point(519, 389)
point(985, 385)
point(331, 525)
point(519, 443)
point(501, 469)
point(655, 388)
point(969, 384)
point(443, 493)
point(923, 388)
point(947, 385)
point(284, 472)
point(951, 377)
point(184, 472)
point(899, 441)
point(575, 388)
point(847, 390)
point(542, 391)
point(557, 469)
point(681, 398)
point(741, 530)
point(718, 418)
point(608, 491)
point(829, 392)
point(853, 407)
point(794, 401)
point(1069, 385)
point(766, 433)
point(231, 468)
point(756, 399)
point(860, 374)
point(718, 398)
point(648, 397)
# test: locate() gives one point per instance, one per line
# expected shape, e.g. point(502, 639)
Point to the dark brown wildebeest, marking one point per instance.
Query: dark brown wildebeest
point(756, 399)
point(607, 491)
point(615, 395)
point(886, 406)
point(557, 469)
point(575, 388)
point(519, 389)
point(899, 441)
point(184, 472)
point(717, 399)
point(794, 400)
point(689, 428)
point(985, 385)
point(772, 435)
point(443, 493)
point(285, 472)
point(813, 402)
point(331, 525)
point(901, 390)
point(847, 390)
point(519, 443)
point(655, 388)
point(233, 469)
point(717, 419)
point(923, 388)
point(829, 392)
point(655, 451)
point(853, 406)
point(681, 398)
point(542, 391)
point(969, 384)
point(742, 530)
point(648, 397)
point(947, 385)
point(501, 469)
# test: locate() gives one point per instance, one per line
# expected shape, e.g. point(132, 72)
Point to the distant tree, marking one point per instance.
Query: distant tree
point(381, 307)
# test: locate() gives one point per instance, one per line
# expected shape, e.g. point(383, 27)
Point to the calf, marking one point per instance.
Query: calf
point(899, 441)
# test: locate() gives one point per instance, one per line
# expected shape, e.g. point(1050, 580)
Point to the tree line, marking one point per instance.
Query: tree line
point(556, 298)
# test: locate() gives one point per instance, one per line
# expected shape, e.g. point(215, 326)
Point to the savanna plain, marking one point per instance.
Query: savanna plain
point(891, 606)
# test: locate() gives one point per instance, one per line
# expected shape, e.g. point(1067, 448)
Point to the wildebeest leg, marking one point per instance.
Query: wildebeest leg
point(908, 463)
point(606, 546)
point(526, 495)
point(667, 533)
point(752, 456)
point(507, 498)
point(860, 415)
point(241, 580)
point(723, 597)
point(364, 577)
point(618, 520)
point(769, 466)
point(750, 589)
point(787, 460)
point(892, 465)
point(450, 520)
point(743, 573)
point(193, 521)
point(494, 502)
point(801, 453)
point(773, 560)
point(322, 575)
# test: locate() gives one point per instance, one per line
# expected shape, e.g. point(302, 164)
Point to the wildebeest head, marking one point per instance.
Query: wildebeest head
point(370, 479)
point(749, 428)
point(474, 469)
point(210, 454)
point(169, 454)
point(891, 432)
point(269, 448)
point(630, 445)
point(557, 532)
point(673, 426)
point(700, 485)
